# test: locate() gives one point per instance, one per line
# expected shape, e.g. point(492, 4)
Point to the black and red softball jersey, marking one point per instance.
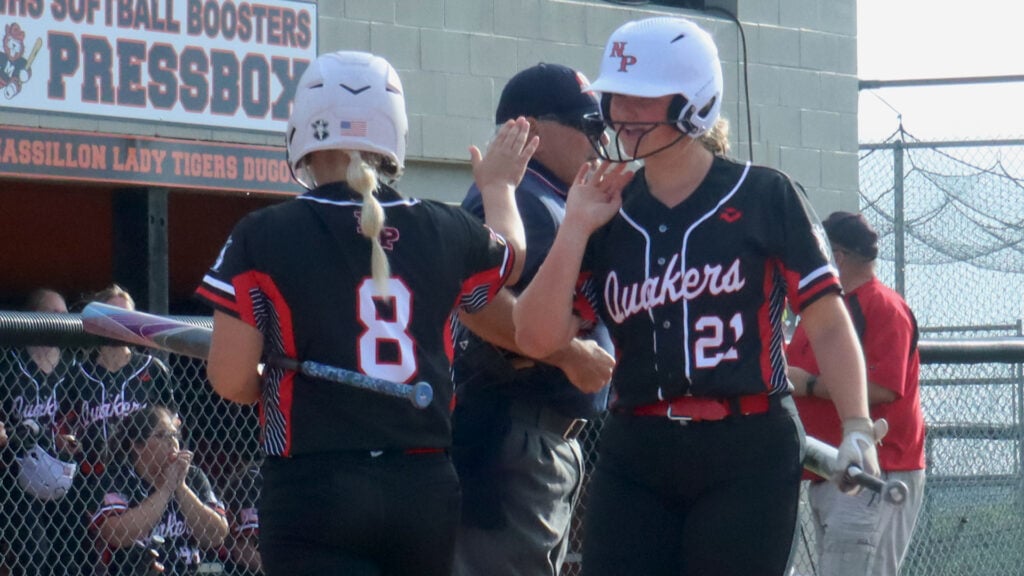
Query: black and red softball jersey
point(300, 273)
point(122, 489)
point(101, 398)
point(694, 294)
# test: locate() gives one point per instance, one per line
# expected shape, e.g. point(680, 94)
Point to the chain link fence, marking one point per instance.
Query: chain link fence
point(951, 225)
point(49, 511)
point(951, 222)
point(971, 523)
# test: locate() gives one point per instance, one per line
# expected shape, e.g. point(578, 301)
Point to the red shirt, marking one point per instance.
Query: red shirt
point(888, 334)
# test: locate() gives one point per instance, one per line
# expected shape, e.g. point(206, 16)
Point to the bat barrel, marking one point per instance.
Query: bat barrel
point(420, 394)
point(193, 339)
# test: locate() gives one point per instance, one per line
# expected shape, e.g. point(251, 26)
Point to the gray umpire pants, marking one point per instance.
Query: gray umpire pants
point(541, 477)
point(862, 535)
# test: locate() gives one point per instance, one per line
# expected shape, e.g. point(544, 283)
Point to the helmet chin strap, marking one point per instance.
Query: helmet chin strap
point(620, 155)
point(308, 181)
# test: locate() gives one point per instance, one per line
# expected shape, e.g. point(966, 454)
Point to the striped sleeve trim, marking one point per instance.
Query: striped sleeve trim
point(219, 294)
point(813, 286)
point(480, 289)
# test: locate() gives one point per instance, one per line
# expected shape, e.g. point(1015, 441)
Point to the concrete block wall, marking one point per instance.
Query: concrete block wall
point(454, 56)
point(803, 82)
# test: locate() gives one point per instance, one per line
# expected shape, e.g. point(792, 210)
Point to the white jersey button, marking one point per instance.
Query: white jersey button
point(662, 228)
point(661, 261)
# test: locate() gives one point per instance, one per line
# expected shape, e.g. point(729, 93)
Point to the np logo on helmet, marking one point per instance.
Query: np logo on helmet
point(625, 60)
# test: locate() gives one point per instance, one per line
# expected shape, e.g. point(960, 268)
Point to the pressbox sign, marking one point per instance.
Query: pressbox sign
point(223, 63)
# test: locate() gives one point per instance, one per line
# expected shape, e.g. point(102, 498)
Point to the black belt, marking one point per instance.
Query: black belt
point(547, 419)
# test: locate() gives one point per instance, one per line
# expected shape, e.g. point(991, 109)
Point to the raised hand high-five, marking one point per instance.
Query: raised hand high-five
point(596, 194)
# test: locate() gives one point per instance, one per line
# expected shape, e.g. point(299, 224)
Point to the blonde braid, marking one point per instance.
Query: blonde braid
point(363, 179)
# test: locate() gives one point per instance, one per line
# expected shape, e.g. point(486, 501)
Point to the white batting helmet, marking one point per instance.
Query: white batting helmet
point(348, 101)
point(661, 56)
point(44, 476)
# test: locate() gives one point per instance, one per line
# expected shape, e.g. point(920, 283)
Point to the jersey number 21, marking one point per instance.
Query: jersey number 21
point(710, 345)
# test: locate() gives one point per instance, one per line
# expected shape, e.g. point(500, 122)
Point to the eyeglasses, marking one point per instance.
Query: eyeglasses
point(590, 125)
point(166, 434)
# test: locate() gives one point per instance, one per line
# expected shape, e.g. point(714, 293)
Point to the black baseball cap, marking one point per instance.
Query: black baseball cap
point(547, 90)
point(853, 232)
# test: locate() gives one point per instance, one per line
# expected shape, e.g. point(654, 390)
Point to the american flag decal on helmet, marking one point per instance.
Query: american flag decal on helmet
point(353, 128)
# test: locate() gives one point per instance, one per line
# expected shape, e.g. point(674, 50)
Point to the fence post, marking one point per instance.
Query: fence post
point(898, 223)
point(1018, 418)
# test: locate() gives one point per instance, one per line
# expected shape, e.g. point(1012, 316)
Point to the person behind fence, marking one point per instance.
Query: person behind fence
point(865, 534)
point(353, 275)
point(690, 267)
point(516, 421)
point(112, 382)
point(39, 527)
point(242, 498)
point(155, 499)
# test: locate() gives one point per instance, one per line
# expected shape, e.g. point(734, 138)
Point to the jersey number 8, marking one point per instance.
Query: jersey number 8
point(380, 331)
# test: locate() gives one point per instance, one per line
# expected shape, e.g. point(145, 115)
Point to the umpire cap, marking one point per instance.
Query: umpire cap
point(853, 232)
point(547, 90)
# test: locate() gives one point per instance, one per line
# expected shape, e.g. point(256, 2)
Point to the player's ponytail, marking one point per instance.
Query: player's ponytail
point(362, 177)
point(717, 138)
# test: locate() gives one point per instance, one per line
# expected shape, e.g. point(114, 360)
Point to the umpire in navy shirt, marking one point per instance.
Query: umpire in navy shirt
point(517, 419)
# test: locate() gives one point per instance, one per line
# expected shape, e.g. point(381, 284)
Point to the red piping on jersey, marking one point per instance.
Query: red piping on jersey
point(799, 299)
point(820, 290)
point(216, 298)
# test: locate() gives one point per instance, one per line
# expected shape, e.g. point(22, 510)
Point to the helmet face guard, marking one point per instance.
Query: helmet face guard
point(604, 138)
point(658, 57)
point(348, 101)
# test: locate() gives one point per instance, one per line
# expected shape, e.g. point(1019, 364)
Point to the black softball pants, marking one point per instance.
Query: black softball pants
point(356, 514)
point(707, 498)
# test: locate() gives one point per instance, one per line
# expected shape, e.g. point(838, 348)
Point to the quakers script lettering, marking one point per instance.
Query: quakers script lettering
point(673, 285)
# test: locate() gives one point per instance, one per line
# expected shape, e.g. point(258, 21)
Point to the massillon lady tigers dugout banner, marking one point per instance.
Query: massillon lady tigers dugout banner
point(62, 155)
point(214, 63)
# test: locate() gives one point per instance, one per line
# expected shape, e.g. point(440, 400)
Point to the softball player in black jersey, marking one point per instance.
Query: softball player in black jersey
point(354, 275)
point(690, 267)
